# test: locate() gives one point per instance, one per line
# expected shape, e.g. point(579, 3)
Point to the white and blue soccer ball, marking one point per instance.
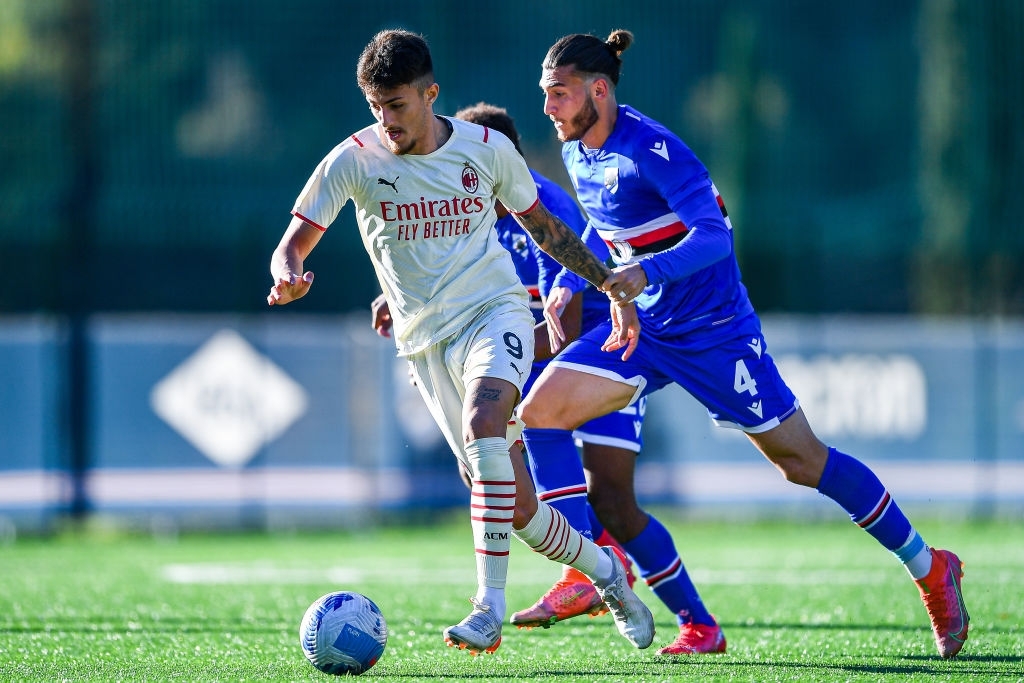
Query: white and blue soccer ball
point(343, 633)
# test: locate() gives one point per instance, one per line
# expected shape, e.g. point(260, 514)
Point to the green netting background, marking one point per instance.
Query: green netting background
point(871, 154)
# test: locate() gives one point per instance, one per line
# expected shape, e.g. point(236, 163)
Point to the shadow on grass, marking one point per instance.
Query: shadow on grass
point(967, 657)
point(961, 667)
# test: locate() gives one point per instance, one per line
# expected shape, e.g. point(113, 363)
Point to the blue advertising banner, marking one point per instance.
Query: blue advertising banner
point(272, 419)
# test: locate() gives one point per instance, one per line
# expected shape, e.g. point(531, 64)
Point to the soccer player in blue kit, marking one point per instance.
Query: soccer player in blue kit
point(652, 201)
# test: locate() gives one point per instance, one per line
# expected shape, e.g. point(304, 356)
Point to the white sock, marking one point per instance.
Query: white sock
point(549, 534)
point(920, 564)
point(915, 555)
point(494, 597)
point(492, 504)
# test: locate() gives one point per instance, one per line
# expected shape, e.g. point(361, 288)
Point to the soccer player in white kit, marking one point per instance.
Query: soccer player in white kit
point(424, 188)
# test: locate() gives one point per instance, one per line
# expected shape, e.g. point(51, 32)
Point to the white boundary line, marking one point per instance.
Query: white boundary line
point(254, 573)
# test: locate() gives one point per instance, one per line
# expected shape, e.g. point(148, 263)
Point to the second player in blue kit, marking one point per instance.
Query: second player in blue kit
point(652, 201)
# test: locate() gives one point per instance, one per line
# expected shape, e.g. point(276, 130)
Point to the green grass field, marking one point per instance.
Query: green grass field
point(798, 602)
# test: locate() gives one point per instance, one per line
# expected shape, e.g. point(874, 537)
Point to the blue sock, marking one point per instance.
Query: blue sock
point(659, 564)
point(558, 475)
point(855, 487)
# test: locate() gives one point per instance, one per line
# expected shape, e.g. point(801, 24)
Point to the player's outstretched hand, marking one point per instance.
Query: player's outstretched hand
point(625, 330)
point(381, 314)
point(558, 298)
point(288, 288)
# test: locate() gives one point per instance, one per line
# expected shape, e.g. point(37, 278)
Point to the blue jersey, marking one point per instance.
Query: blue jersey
point(536, 269)
point(651, 200)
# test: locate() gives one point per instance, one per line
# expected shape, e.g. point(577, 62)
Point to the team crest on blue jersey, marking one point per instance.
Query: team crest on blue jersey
point(470, 179)
point(611, 179)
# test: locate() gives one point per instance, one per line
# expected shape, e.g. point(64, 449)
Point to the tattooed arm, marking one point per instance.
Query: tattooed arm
point(558, 240)
point(565, 246)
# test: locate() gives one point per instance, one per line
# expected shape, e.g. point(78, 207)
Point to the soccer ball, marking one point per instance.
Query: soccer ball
point(343, 633)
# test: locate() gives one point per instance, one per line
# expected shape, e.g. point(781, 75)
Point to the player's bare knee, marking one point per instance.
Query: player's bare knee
point(525, 411)
point(797, 469)
point(540, 414)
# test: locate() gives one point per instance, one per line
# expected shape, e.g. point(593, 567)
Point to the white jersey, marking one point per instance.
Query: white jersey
point(427, 222)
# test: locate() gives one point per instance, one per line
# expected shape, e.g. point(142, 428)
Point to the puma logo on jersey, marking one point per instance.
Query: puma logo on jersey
point(392, 184)
point(516, 369)
point(660, 149)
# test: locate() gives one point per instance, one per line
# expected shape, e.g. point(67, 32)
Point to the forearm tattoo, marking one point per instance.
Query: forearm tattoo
point(565, 246)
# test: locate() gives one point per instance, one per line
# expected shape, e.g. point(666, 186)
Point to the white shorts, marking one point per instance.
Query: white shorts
point(497, 343)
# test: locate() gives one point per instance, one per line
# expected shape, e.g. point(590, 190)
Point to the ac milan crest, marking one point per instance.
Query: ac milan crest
point(470, 179)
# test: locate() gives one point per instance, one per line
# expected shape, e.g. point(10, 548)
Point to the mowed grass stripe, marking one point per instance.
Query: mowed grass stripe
point(228, 574)
point(802, 602)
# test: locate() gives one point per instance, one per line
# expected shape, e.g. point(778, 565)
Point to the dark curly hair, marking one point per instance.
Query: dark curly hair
point(395, 58)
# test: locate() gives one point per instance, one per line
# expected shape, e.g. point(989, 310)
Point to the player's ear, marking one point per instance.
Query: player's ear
point(599, 89)
point(430, 93)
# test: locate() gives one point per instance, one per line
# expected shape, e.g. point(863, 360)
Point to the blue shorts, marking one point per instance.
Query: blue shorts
point(728, 369)
point(620, 429)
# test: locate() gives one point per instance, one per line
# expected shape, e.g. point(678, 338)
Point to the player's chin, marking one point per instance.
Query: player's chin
point(397, 142)
point(564, 133)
